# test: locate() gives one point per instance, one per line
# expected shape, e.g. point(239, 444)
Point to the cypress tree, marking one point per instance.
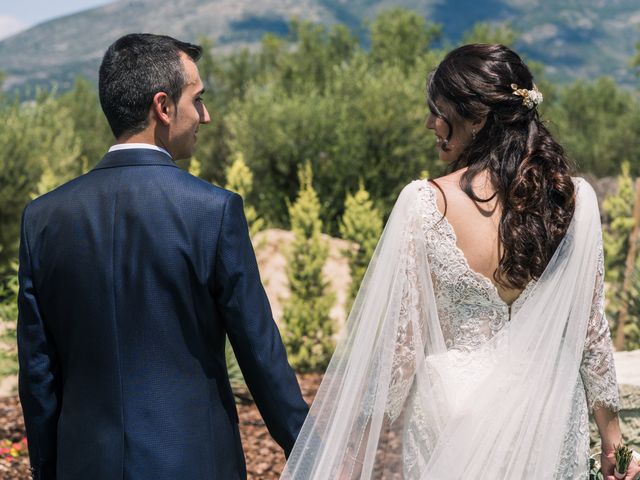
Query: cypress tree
point(361, 224)
point(309, 329)
point(195, 167)
point(619, 209)
point(240, 180)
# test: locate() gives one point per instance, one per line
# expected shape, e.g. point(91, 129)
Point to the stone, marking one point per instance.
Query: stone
point(628, 373)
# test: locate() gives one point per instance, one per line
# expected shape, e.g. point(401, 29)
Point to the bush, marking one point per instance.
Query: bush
point(619, 210)
point(361, 224)
point(309, 329)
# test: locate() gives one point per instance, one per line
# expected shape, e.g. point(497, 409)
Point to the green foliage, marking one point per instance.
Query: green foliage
point(60, 159)
point(355, 114)
point(484, 32)
point(20, 172)
point(361, 224)
point(239, 177)
point(308, 327)
point(317, 50)
point(594, 470)
point(8, 322)
point(635, 60)
point(236, 379)
point(368, 124)
point(623, 455)
point(240, 180)
point(195, 167)
point(223, 86)
point(400, 37)
point(599, 124)
point(318, 95)
point(39, 150)
point(619, 210)
point(90, 125)
point(632, 325)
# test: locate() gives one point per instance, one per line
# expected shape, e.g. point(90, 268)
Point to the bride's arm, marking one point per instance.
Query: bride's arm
point(410, 333)
point(599, 376)
point(609, 429)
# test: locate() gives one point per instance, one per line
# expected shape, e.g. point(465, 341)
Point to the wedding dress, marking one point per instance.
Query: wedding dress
point(436, 377)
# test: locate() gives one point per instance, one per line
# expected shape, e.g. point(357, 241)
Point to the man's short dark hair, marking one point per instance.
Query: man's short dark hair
point(135, 68)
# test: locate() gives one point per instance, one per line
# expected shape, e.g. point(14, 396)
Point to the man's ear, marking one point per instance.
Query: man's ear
point(162, 108)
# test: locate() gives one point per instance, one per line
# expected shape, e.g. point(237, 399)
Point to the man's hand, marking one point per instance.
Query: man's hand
point(633, 472)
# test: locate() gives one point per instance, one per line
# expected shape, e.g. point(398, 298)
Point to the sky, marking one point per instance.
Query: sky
point(18, 15)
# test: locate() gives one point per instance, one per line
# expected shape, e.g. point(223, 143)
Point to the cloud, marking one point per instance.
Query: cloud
point(10, 25)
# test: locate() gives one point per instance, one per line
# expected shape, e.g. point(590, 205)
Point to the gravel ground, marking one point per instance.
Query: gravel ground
point(264, 457)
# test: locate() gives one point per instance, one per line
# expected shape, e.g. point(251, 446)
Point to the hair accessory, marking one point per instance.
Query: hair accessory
point(530, 98)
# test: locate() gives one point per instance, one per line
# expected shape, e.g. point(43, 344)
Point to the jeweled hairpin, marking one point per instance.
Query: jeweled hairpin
point(530, 98)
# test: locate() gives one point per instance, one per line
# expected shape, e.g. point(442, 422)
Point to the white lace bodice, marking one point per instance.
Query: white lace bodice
point(471, 312)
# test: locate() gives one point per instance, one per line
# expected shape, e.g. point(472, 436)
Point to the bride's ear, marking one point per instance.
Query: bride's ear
point(478, 124)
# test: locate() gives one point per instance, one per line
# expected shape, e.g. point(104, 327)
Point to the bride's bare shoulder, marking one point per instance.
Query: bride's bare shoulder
point(447, 188)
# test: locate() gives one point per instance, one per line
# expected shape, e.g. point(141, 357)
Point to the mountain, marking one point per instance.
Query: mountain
point(573, 39)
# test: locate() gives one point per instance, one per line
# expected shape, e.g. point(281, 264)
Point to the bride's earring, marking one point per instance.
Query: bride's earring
point(473, 134)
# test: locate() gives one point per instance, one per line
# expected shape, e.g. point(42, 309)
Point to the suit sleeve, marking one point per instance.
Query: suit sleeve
point(39, 377)
point(253, 334)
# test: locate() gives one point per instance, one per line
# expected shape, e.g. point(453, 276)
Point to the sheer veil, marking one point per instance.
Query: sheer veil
point(499, 411)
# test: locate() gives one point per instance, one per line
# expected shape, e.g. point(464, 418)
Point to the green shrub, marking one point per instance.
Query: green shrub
point(240, 180)
point(619, 211)
point(308, 327)
point(361, 224)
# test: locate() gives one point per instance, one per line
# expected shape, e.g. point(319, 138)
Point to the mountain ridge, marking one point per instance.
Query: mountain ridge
point(594, 38)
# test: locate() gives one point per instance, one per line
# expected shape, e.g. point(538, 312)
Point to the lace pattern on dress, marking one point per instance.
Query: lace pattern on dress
point(411, 317)
point(597, 368)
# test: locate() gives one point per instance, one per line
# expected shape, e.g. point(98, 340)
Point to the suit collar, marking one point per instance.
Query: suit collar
point(135, 157)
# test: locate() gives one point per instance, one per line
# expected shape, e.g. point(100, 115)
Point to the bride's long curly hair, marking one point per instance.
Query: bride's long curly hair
point(527, 168)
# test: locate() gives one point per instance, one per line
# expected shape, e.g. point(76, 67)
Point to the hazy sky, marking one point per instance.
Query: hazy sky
point(17, 15)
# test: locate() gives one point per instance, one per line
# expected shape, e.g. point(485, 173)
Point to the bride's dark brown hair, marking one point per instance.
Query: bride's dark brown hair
point(527, 168)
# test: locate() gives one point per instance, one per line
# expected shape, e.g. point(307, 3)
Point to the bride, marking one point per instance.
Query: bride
point(478, 343)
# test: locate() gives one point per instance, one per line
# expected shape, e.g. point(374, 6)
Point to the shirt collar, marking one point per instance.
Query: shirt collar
point(135, 157)
point(128, 146)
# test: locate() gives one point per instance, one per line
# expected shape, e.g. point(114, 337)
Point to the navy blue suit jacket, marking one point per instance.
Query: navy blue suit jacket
point(130, 277)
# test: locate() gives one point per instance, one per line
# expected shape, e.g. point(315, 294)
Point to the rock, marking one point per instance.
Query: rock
point(628, 373)
point(628, 368)
point(8, 385)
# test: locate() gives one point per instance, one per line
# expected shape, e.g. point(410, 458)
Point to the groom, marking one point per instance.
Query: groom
point(131, 276)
